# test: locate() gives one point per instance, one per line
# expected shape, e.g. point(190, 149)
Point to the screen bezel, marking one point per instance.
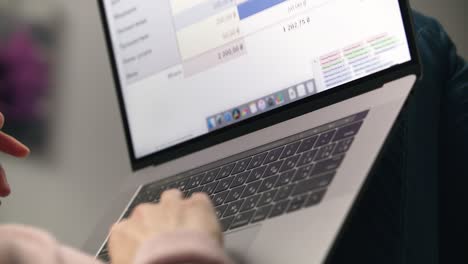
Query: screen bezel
point(304, 106)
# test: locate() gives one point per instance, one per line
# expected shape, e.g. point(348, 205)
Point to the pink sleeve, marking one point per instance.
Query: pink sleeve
point(23, 245)
point(182, 248)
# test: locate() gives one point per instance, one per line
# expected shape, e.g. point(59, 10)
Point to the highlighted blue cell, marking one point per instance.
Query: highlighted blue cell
point(252, 7)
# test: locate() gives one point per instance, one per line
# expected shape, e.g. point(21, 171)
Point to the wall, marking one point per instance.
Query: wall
point(67, 192)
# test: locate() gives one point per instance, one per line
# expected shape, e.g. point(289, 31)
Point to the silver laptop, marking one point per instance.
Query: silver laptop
point(277, 109)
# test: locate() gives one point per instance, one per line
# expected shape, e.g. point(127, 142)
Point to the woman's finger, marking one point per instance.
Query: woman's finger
point(2, 120)
point(171, 196)
point(11, 146)
point(4, 187)
point(202, 201)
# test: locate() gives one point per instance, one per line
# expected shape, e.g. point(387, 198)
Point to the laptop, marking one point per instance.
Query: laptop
point(276, 109)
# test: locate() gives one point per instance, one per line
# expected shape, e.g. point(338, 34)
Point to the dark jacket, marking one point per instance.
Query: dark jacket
point(424, 164)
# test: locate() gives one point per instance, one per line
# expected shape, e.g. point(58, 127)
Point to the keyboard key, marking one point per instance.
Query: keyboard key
point(262, 213)
point(195, 181)
point(173, 185)
point(343, 146)
point(274, 155)
point(268, 184)
point(226, 223)
point(325, 152)
point(307, 157)
point(257, 174)
point(233, 208)
point(104, 257)
point(297, 203)
point(267, 198)
point(149, 196)
point(164, 188)
point(196, 190)
point(140, 196)
point(251, 189)
point(250, 202)
point(285, 178)
point(211, 176)
point(210, 188)
point(290, 163)
point(138, 199)
point(348, 131)
point(225, 171)
point(315, 198)
point(273, 168)
point(241, 166)
point(360, 116)
point(284, 192)
point(307, 144)
point(104, 250)
point(224, 184)
point(240, 179)
point(325, 138)
point(182, 185)
point(219, 198)
point(328, 165)
point(242, 219)
point(257, 161)
point(313, 184)
point(290, 149)
point(279, 208)
point(302, 173)
point(235, 194)
point(220, 210)
point(154, 187)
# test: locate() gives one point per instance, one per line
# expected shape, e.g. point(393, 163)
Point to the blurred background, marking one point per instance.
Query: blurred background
point(57, 93)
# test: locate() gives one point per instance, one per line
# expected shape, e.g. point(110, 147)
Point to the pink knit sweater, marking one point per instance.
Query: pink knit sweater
point(23, 245)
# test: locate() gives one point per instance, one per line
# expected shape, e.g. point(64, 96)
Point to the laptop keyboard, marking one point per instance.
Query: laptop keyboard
point(278, 178)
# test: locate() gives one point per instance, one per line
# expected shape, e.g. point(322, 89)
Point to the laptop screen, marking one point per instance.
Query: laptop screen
point(190, 67)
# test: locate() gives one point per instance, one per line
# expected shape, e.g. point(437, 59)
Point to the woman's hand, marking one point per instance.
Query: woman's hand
point(13, 147)
point(173, 213)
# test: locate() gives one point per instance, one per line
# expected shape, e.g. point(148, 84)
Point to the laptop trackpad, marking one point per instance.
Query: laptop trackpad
point(238, 243)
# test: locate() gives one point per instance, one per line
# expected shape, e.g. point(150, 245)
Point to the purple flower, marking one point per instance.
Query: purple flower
point(23, 76)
